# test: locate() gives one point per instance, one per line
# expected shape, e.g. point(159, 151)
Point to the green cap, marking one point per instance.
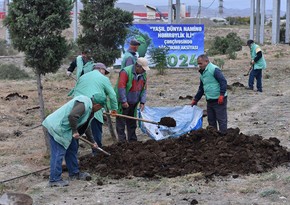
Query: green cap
point(99, 98)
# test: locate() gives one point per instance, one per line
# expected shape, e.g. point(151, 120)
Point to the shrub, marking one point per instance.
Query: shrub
point(12, 72)
point(226, 45)
point(6, 50)
point(219, 62)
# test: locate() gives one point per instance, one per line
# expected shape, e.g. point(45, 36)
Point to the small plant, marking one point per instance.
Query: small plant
point(189, 190)
point(232, 55)
point(269, 192)
point(159, 58)
point(12, 72)
point(219, 62)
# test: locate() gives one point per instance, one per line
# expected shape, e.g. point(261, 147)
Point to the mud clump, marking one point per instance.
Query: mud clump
point(168, 121)
point(205, 151)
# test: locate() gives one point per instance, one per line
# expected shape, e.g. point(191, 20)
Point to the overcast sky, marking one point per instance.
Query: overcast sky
point(236, 4)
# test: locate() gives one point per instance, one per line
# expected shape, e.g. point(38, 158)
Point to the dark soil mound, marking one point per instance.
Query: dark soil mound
point(204, 151)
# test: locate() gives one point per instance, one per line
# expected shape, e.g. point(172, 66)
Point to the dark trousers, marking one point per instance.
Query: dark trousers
point(131, 125)
point(97, 131)
point(218, 114)
point(258, 75)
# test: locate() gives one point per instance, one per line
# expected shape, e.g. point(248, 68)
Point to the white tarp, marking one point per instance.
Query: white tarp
point(187, 119)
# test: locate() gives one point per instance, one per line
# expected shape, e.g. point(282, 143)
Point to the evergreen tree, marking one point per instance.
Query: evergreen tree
point(35, 28)
point(104, 29)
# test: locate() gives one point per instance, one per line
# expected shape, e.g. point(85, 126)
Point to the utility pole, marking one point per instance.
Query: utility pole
point(221, 8)
point(6, 4)
point(199, 11)
point(169, 11)
point(75, 20)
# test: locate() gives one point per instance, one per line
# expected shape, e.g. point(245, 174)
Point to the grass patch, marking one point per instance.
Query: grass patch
point(188, 191)
point(269, 192)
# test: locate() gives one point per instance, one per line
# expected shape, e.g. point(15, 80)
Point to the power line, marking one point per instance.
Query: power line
point(209, 5)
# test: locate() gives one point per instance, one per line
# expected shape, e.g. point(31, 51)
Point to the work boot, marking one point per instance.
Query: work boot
point(61, 183)
point(249, 88)
point(81, 176)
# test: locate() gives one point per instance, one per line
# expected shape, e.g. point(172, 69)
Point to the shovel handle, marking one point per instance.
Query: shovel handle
point(133, 118)
point(248, 71)
point(92, 144)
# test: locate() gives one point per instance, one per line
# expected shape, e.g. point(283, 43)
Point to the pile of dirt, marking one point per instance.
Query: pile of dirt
point(205, 151)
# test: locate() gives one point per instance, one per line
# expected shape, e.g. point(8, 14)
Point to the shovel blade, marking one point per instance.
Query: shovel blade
point(107, 153)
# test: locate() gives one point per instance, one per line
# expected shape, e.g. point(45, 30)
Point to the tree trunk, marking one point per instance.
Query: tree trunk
point(42, 113)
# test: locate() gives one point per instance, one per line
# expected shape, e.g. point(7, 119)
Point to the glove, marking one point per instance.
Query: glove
point(142, 106)
point(113, 112)
point(221, 100)
point(193, 103)
point(68, 73)
point(76, 135)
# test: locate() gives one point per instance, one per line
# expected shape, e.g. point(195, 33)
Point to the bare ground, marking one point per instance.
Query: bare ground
point(265, 114)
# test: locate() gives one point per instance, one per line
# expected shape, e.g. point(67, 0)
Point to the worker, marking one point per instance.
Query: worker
point(214, 85)
point(258, 63)
point(130, 56)
point(83, 63)
point(131, 90)
point(97, 81)
point(65, 126)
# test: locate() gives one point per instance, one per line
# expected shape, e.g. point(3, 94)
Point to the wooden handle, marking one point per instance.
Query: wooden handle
point(86, 141)
point(92, 144)
point(133, 118)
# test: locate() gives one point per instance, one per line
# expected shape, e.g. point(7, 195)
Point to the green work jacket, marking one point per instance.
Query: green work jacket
point(261, 63)
point(127, 55)
point(81, 67)
point(211, 86)
point(93, 82)
point(129, 72)
point(57, 123)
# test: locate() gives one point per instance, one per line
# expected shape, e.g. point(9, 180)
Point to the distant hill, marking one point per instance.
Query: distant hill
point(206, 13)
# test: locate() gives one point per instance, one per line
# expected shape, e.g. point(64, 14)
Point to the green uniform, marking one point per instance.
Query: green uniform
point(81, 68)
point(261, 63)
point(93, 82)
point(58, 125)
point(210, 85)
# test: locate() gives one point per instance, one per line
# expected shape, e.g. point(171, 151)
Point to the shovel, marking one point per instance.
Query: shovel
point(100, 149)
point(165, 121)
point(246, 74)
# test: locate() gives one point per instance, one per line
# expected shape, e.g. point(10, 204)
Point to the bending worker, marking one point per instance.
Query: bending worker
point(96, 81)
point(65, 126)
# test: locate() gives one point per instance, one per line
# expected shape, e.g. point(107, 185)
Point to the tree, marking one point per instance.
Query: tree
point(104, 29)
point(159, 58)
point(35, 28)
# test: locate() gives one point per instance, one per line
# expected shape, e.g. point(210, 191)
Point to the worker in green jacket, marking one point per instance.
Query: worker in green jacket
point(131, 91)
point(96, 81)
point(213, 85)
point(130, 56)
point(65, 126)
point(83, 63)
point(258, 63)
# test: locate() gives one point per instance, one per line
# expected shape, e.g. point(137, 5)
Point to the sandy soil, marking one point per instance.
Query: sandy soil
point(266, 114)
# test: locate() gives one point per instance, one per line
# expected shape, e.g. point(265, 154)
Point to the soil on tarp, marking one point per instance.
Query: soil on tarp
point(205, 151)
